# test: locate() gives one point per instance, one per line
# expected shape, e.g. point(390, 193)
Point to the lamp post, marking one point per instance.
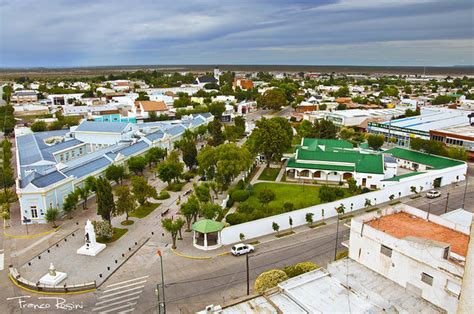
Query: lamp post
point(163, 302)
point(26, 221)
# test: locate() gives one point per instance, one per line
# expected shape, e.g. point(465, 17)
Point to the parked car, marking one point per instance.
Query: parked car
point(241, 248)
point(433, 194)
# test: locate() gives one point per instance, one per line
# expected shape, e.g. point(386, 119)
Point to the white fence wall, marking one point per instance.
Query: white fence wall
point(261, 227)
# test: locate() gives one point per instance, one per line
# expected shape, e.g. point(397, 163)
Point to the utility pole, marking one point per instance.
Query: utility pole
point(248, 275)
point(465, 192)
point(447, 200)
point(163, 303)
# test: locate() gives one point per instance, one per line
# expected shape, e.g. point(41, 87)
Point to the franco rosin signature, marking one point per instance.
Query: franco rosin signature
point(53, 303)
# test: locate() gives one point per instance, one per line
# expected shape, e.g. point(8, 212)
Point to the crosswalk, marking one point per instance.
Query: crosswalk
point(120, 297)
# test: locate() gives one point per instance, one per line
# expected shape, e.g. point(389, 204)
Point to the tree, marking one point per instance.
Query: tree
point(265, 196)
point(5, 213)
point(215, 130)
point(202, 192)
point(241, 236)
point(115, 173)
point(330, 193)
point(142, 96)
point(142, 190)
point(190, 210)
point(170, 169)
point(413, 189)
point(216, 109)
point(368, 203)
point(239, 123)
point(154, 155)
point(173, 227)
point(269, 279)
point(91, 183)
point(343, 91)
point(375, 141)
point(271, 138)
point(105, 199)
point(340, 209)
point(391, 197)
point(189, 152)
point(272, 99)
point(211, 211)
point(52, 215)
point(137, 164)
point(309, 218)
point(352, 185)
point(428, 146)
point(458, 153)
point(39, 126)
point(125, 202)
point(341, 106)
point(223, 163)
point(70, 203)
point(325, 129)
point(346, 133)
point(83, 194)
point(275, 227)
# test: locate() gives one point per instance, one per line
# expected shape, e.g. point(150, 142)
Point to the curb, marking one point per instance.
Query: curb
point(30, 236)
point(198, 257)
point(48, 293)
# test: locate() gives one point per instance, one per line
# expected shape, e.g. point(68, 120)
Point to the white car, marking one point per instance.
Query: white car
point(241, 248)
point(433, 194)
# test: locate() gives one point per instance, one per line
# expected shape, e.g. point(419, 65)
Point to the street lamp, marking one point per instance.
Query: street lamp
point(161, 304)
point(26, 221)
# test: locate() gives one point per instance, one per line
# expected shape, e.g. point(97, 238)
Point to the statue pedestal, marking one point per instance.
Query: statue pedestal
point(91, 249)
point(53, 280)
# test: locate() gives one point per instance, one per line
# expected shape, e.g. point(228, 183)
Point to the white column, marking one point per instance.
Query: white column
point(205, 239)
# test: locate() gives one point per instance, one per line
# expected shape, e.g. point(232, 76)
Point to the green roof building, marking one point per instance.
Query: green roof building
point(329, 160)
point(206, 234)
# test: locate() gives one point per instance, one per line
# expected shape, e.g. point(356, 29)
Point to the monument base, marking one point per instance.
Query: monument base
point(91, 250)
point(53, 280)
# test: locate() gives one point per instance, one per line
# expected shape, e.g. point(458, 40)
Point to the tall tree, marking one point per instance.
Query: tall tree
point(70, 202)
point(271, 138)
point(211, 211)
point(215, 130)
point(325, 129)
point(142, 190)
point(52, 215)
point(375, 141)
point(272, 99)
point(83, 194)
point(125, 202)
point(137, 164)
point(170, 169)
point(155, 155)
point(173, 227)
point(115, 173)
point(190, 210)
point(105, 199)
point(188, 149)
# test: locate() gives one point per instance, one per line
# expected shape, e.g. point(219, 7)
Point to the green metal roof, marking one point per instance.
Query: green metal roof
point(402, 176)
point(293, 164)
point(366, 163)
point(312, 143)
point(434, 161)
point(208, 226)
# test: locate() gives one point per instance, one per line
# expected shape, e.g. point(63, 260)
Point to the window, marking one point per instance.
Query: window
point(34, 212)
point(385, 250)
point(428, 279)
point(446, 253)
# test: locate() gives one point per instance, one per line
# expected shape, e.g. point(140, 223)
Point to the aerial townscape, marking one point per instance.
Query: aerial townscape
point(207, 172)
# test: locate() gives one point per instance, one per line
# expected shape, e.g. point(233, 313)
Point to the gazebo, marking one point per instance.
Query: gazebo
point(207, 234)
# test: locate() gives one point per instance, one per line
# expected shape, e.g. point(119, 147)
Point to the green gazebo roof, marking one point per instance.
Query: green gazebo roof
point(207, 226)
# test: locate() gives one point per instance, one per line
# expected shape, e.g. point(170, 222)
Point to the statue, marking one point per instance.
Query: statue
point(53, 277)
point(52, 270)
point(91, 247)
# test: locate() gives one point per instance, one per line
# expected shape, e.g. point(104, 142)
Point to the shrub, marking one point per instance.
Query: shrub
point(230, 202)
point(163, 195)
point(365, 190)
point(240, 195)
point(235, 218)
point(187, 176)
point(300, 268)
point(246, 208)
point(288, 206)
point(175, 186)
point(269, 279)
point(103, 229)
point(240, 185)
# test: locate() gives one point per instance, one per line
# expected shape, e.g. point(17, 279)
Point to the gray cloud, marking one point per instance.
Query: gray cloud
point(82, 33)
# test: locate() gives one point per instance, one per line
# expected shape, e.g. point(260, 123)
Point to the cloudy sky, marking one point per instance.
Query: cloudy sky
point(316, 32)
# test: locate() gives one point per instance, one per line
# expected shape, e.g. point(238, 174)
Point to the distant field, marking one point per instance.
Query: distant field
point(8, 73)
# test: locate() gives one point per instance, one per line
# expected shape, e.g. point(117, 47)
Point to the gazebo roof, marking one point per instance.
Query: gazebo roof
point(207, 226)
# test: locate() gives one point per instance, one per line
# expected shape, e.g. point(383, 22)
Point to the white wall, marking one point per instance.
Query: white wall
point(261, 227)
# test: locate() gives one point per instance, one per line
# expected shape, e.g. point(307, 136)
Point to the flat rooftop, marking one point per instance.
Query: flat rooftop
point(464, 130)
point(402, 225)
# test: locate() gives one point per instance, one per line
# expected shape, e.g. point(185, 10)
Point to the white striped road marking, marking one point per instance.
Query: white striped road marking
point(120, 292)
point(114, 303)
point(2, 261)
point(127, 311)
point(126, 286)
point(127, 281)
point(118, 308)
point(117, 298)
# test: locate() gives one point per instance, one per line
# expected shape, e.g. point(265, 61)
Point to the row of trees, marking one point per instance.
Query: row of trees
point(438, 148)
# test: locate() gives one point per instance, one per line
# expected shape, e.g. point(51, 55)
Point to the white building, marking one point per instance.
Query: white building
point(423, 253)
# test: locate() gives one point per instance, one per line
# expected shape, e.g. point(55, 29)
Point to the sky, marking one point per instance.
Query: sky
point(55, 33)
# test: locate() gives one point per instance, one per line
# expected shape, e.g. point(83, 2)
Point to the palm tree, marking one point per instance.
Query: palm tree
point(173, 227)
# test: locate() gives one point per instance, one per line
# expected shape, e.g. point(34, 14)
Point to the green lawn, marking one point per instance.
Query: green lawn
point(145, 210)
point(118, 233)
point(269, 174)
point(301, 196)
